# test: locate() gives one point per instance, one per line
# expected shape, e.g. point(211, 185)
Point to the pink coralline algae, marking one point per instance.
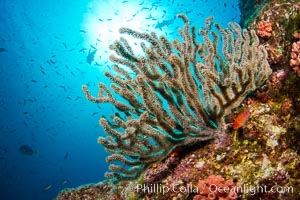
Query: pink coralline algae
point(275, 81)
point(264, 29)
point(295, 57)
point(214, 187)
point(158, 171)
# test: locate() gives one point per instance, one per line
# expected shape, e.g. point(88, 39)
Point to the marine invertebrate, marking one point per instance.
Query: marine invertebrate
point(275, 81)
point(286, 107)
point(295, 57)
point(264, 29)
point(215, 187)
point(297, 35)
point(177, 93)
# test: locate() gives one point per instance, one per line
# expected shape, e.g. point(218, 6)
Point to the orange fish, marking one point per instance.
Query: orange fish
point(241, 119)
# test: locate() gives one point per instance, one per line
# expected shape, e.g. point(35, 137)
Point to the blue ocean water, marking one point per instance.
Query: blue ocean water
point(48, 50)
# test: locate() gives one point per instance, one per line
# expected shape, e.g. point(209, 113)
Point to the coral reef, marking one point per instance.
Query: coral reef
point(284, 16)
point(178, 92)
point(91, 192)
point(251, 160)
point(261, 157)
